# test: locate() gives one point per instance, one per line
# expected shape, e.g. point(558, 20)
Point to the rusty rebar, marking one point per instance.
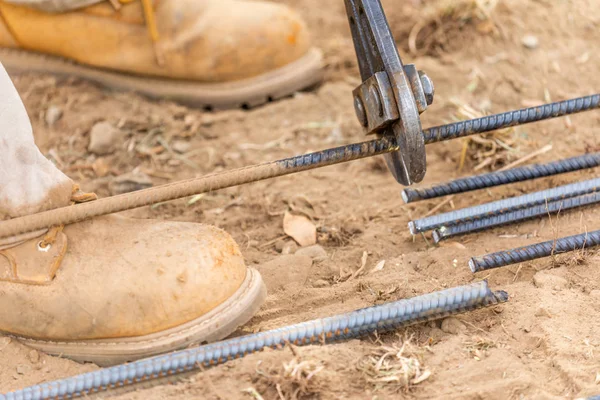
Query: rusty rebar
point(239, 176)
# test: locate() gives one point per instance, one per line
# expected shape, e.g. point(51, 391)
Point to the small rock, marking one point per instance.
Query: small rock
point(530, 41)
point(289, 248)
point(53, 114)
point(542, 312)
point(129, 182)
point(595, 293)
point(181, 146)
point(453, 326)
point(316, 252)
point(100, 167)
point(279, 245)
point(354, 227)
point(253, 243)
point(4, 341)
point(546, 280)
point(285, 270)
point(34, 356)
point(23, 369)
point(435, 334)
point(320, 283)
point(103, 138)
point(189, 120)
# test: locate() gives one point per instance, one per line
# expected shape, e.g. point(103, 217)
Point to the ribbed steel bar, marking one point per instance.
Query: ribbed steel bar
point(534, 251)
point(499, 207)
point(492, 179)
point(379, 318)
point(513, 216)
point(511, 118)
point(190, 187)
point(254, 173)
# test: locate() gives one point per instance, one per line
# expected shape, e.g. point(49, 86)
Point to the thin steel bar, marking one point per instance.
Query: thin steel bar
point(498, 178)
point(499, 207)
point(254, 173)
point(511, 118)
point(534, 251)
point(379, 318)
point(513, 216)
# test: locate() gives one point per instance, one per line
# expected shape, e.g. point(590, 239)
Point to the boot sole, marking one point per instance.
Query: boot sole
point(215, 325)
point(300, 74)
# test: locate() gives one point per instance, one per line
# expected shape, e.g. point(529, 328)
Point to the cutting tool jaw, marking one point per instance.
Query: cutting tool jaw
point(392, 95)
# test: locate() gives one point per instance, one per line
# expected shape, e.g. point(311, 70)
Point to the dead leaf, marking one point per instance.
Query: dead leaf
point(378, 267)
point(100, 167)
point(300, 228)
point(363, 262)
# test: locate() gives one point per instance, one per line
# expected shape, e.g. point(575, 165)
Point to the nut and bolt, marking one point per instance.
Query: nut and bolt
point(361, 112)
point(428, 88)
point(374, 94)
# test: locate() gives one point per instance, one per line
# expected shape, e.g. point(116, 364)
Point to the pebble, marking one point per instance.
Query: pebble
point(53, 114)
point(354, 227)
point(103, 138)
point(530, 41)
point(34, 356)
point(4, 341)
point(316, 252)
point(542, 312)
point(23, 369)
point(453, 326)
point(286, 246)
point(595, 293)
point(546, 280)
point(436, 334)
point(181, 146)
point(129, 182)
point(320, 283)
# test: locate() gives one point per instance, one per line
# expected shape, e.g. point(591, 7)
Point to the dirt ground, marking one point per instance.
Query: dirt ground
point(542, 344)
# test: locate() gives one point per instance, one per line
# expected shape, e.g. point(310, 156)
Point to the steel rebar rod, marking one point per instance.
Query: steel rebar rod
point(514, 216)
point(499, 207)
point(520, 174)
point(379, 318)
point(254, 173)
point(534, 251)
point(511, 118)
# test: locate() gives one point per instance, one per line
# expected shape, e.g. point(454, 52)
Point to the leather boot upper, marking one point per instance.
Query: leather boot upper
point(117, 277)
point(203, 40)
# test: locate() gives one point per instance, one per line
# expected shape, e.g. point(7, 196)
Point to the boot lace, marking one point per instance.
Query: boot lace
point(149, 16)
point(77, 196)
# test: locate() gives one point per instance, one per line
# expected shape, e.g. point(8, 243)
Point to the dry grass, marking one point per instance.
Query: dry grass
point(492, 150)
point(441, 23)
point(398, 366)
point(478, 347)
point(293, 380)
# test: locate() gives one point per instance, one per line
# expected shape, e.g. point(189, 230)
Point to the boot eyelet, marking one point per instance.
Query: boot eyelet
point(43, 248)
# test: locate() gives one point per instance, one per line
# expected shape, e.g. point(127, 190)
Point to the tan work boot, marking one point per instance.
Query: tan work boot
point(212, 53)
point(111, 289)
